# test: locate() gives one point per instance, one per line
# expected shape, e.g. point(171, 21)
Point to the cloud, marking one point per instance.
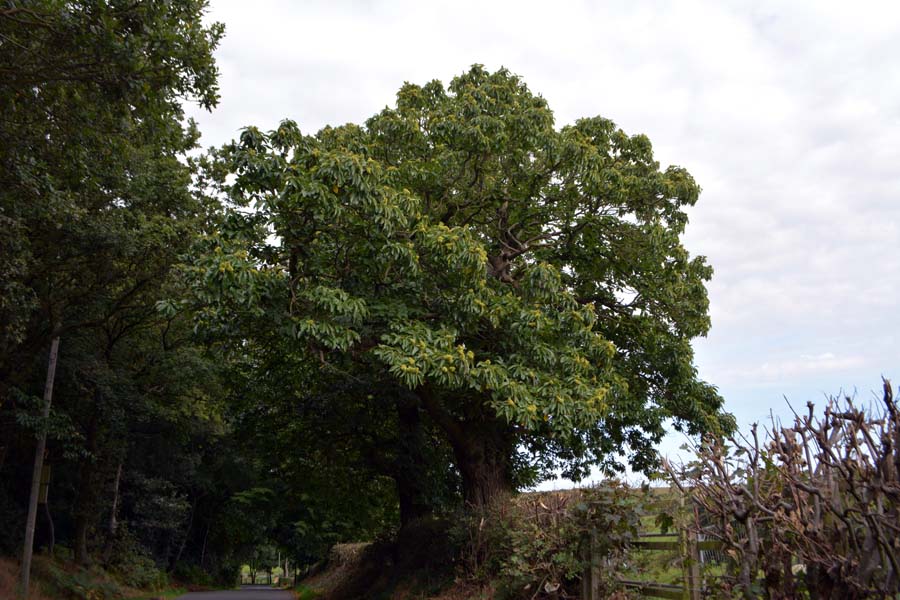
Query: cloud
point(787, 369)
point(788, 115)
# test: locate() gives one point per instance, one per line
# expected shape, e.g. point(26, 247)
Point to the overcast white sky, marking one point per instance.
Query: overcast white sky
point(787, 113)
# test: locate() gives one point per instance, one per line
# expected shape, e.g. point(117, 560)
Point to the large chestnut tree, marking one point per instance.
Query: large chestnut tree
point(525, 285)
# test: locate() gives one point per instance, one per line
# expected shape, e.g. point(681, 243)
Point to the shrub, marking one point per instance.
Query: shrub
point(141, 572)
point(812, 507)
point(538, 545)
point(77, 583)
point(132, 565)
point(194, 574)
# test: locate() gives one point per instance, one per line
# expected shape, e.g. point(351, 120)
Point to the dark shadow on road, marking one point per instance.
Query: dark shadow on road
point(245, 592)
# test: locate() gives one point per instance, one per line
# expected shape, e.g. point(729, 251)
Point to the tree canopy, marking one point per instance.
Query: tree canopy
point(91, 187)
point(95, 207)
point(525, 284)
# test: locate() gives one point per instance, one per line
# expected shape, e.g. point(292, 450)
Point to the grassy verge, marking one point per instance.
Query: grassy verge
point(172, 593)
point(55, 578)
point(305, 593)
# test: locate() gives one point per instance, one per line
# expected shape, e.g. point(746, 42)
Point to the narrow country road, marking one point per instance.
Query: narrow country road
point(245, 592)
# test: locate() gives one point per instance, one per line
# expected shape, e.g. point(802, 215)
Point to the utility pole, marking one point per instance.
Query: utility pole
point(28, 549)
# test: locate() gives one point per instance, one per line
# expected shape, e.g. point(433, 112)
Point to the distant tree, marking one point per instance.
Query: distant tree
point(90, 182)
point(526, 285)
point(95, 205)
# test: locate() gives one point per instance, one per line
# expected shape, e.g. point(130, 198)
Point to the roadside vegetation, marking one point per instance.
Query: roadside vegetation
point(806, 509)
point(56, 578)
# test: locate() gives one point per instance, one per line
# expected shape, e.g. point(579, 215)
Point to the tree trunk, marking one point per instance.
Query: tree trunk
point(82, 525)
point(187, 535)
point(113, 524)
point(203, 550)
point(484, 465)
point(44, 501)
point(482, 446)
point(28, 547)
point(85, 508)
point(51, 530)
point(114, 509)
point(410, 470)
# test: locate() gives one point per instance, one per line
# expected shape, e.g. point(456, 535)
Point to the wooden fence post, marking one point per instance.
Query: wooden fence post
point(591, 580)
point(587, 553)
point(690, 565)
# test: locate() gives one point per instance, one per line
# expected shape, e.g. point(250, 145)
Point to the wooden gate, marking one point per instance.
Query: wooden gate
point(684, 542)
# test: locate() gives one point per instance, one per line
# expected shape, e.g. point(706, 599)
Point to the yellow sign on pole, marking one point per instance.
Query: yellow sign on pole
point(45, 484)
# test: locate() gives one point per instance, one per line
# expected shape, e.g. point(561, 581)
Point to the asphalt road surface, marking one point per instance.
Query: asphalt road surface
point(245, 592)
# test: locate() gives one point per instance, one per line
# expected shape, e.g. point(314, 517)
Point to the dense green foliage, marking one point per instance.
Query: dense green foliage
point(90, 180)
point(300, 339)
point(96, 205)
point(525, 287)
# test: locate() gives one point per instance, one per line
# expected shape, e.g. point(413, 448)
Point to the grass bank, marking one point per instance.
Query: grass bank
point(56, 579)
